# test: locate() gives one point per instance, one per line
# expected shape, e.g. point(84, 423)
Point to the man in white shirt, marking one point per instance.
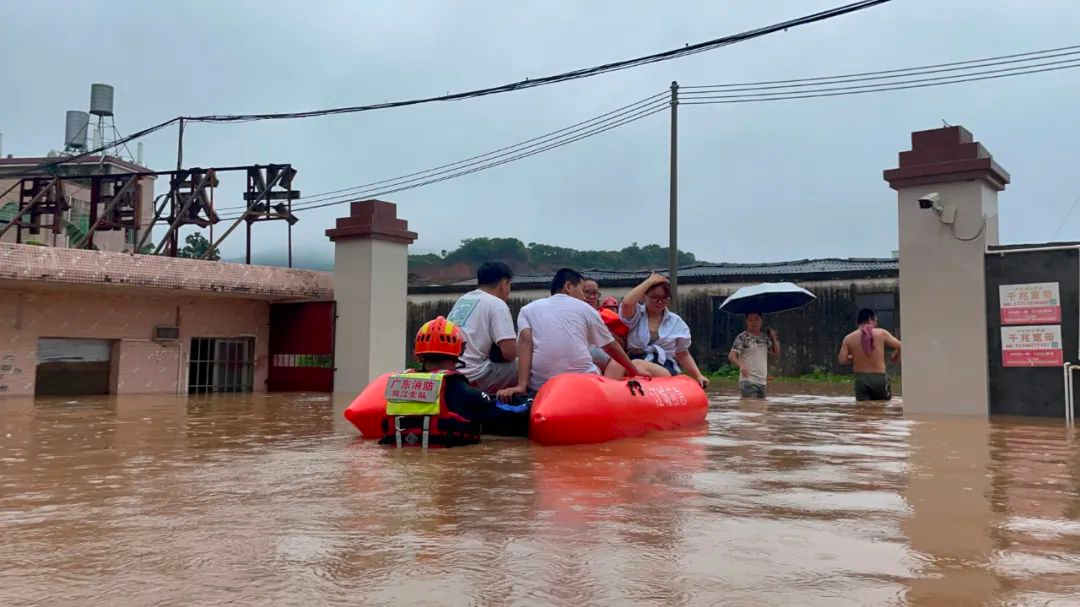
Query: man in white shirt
point(554, 335)
point(484, 318)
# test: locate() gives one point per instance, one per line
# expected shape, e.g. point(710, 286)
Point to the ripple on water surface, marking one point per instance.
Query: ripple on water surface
point(804, 500)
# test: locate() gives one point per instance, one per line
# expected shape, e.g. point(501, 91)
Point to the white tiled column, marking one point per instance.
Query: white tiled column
point(370, 287)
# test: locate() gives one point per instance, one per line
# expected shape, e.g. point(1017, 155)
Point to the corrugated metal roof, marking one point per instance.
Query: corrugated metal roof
point(732, 272)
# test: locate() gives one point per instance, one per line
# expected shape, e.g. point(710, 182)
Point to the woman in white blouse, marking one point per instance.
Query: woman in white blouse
point(657, 334)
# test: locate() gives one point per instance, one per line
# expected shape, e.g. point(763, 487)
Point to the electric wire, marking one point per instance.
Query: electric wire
point(883, 87)
point(689, 49)
point(507, 150)
point(495, 162)
point(692, 98)
point(945, 79)
point(998, 60)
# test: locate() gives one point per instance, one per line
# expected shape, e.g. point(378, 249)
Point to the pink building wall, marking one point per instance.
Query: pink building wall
point(68, 293)
point(139, 365)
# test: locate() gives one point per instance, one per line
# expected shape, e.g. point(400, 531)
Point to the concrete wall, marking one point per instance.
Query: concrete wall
point(942, 270)
point(943, 279)
point(140, 366)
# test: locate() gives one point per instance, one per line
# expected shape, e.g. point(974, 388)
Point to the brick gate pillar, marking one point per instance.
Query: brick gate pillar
point(370, 281)
point(942, 268)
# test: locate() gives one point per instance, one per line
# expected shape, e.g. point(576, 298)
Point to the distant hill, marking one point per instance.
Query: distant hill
point(461, 263)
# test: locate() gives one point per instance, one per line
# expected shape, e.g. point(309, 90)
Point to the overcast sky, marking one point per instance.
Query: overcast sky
point(759, 182)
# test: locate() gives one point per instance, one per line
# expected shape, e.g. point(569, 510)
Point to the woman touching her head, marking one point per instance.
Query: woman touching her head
point(658, 335)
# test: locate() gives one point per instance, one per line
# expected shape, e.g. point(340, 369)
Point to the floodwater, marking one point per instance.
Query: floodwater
point(259, 500)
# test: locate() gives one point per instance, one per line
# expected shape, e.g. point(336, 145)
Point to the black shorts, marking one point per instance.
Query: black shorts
point(872, 386)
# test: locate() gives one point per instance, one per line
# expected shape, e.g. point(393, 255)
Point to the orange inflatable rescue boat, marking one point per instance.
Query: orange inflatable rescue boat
point(576, 409)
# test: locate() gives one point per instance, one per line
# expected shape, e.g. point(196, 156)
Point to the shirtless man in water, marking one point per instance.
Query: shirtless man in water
point(864, 349)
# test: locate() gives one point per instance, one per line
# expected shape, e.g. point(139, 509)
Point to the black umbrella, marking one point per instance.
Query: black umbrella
point(767, 298)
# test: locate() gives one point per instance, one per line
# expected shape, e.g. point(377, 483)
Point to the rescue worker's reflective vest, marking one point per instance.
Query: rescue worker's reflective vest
point(417, 415)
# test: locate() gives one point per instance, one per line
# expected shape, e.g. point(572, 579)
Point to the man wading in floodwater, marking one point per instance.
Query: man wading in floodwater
point(864, 349)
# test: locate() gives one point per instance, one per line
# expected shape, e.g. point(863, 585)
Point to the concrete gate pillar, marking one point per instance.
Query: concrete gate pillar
point(370, 282)
point(942, 268)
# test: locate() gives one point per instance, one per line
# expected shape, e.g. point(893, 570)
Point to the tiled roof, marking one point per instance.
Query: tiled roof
point(38, 265)
point(728, 272)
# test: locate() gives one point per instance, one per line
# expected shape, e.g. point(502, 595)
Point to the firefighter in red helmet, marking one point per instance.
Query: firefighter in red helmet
point(435, 405)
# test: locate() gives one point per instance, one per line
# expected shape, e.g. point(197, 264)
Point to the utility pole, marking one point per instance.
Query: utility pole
point(174, 235)
point(673, 199)
point(180, 146)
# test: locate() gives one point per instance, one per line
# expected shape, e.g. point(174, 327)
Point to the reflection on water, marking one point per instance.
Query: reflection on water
point(804, 500)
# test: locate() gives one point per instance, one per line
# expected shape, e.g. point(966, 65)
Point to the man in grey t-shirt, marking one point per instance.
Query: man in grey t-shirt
point(750, 353)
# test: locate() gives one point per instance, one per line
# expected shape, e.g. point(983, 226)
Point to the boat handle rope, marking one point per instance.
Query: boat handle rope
point(633, 383)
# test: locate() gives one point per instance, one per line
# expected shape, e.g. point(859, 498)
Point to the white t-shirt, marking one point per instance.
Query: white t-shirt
point(485, 320)
point(563, 328)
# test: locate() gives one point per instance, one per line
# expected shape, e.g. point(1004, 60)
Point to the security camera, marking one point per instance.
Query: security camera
point(930, 201)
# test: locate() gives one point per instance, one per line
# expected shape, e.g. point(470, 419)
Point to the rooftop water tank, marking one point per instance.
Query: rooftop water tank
point(76, 126)
point(101, 99)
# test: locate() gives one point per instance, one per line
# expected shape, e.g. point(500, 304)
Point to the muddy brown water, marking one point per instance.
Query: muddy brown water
point(272, 500)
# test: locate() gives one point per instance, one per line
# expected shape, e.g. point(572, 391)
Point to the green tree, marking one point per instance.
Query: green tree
point(426, 260)
point(196, 247)
point(475, 251)
point(543, 257)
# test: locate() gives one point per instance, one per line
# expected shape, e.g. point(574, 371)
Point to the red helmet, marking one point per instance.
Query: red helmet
point(609, 302)
point(439, 336)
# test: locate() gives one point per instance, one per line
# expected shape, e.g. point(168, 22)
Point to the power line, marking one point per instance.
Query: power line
point(547, 137)
point(46, 166)
point(403, 187)
point(1071, 63)
point(689, 49)
point(699, 96)
point(498, 161)
point(999, 59)
point(1066, 218)
point(883, 87)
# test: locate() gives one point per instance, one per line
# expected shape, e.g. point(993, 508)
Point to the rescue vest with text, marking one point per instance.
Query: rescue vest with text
point(417, 415)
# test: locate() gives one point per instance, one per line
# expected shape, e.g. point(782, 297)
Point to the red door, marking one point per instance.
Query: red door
point(302, 347)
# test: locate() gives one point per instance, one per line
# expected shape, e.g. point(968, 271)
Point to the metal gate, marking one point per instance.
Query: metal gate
point(302, 347)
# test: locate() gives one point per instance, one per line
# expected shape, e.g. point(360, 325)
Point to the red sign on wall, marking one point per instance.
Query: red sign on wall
point(1034, 346)
point(1027, 304)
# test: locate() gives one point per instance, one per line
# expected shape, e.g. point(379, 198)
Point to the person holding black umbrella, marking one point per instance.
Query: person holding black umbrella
point(750, 353)
point(752, 348)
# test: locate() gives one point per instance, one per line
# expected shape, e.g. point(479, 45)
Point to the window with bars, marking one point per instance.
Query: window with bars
point(221, 364)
